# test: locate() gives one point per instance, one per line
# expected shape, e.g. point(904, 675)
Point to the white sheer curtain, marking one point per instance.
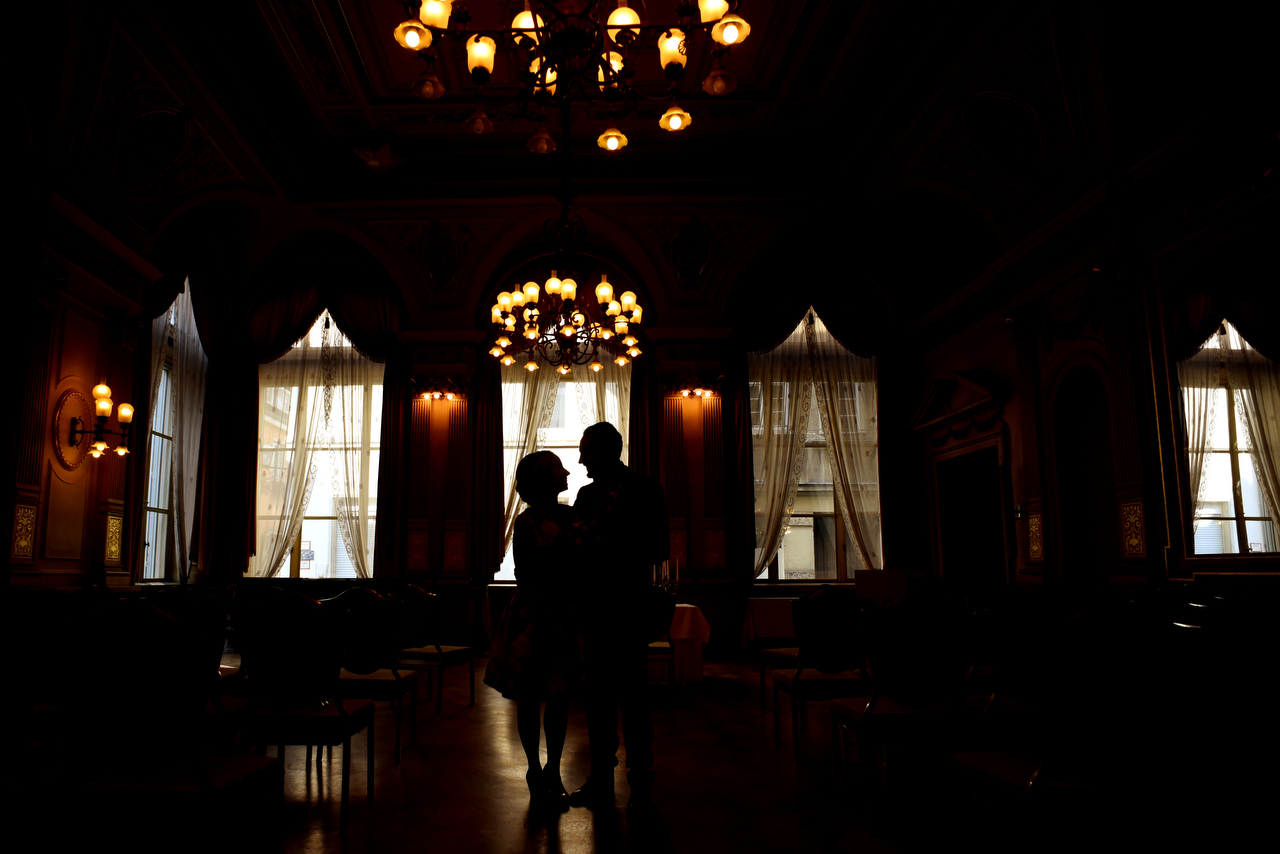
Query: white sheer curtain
point(606, 396)
point(845, 384)
point(352, 415)
point(186, 375)
point(780, 380)
point(1199, 378)
point(528, 399)
point(1256, 381)
point(290, 428)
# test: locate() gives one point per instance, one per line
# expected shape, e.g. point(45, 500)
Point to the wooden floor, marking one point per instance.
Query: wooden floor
point(722, 785)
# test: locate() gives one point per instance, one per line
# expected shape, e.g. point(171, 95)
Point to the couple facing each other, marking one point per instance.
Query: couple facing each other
point(576, 625)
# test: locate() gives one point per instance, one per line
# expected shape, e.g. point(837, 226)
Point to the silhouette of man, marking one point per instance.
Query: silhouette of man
point(630, 512)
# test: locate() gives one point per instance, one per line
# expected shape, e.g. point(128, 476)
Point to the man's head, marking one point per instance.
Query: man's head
point(600, 448)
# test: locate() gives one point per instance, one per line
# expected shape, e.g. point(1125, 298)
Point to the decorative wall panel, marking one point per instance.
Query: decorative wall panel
point(1035, 537)
point(1133, 536)
point(24, 532)
point(115, 538)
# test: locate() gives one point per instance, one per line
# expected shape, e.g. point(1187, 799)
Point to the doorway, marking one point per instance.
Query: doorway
point(971, 519)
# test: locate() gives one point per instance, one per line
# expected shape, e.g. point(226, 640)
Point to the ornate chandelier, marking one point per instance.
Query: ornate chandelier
point(567, 51)
point(550, 323)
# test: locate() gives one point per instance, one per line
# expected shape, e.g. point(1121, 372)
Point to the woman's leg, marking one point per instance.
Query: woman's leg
point(527, 715)
point(556, 725)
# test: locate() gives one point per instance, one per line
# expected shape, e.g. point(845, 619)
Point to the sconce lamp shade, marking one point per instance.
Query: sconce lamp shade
point(712, 10)
point(628, 301)
point(504, 301)
point(412, 35)
point(635, 315)
point(480, 53)
point(479, 123)
point(435, 13)
point(541, 143)
point(526, 20)
point(125, 413)
point(553, 284)
point(619, 19)
point(549, 84)
point(428, 86)
point(614, 60)
point(508, 360)
point(531, 365)
point(730, 30)
point(101, 390)
point(675, 119)
point(612, 140)
point(719, 81)
point(102, 407)
point(670, 53)
point(568, 289)
point(604, 291)
point(613, 309)
point(531, 291)
point(596, 367)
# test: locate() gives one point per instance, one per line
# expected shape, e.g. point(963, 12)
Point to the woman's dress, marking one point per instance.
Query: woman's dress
point(537, 649)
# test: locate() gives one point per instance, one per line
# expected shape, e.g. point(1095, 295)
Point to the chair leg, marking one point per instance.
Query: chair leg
point(472, 701)
point(369, 765)
point(399, 708)
point(777, 721)
point(795, 724)
point(346, 783)
point(413, 714)
point(837, 750)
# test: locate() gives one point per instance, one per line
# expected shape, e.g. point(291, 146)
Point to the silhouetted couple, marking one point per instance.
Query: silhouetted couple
point(577, 623)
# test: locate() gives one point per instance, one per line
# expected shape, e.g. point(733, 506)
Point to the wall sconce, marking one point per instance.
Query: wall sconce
point(102, 406)
point(442, 389)
point(695, 386)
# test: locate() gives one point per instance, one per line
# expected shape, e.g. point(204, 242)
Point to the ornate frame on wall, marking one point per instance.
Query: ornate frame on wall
point(62, 429)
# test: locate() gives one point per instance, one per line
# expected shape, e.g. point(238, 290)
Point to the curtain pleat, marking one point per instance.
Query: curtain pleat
point(606, 396)
point(846, 390)
point(528, 398)
point(187, 381)
point(1256, 381)
point(391, 537)
point(1199, 378)
point(781, 379)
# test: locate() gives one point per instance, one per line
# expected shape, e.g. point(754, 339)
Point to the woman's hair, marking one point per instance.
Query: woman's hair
point(535, 475)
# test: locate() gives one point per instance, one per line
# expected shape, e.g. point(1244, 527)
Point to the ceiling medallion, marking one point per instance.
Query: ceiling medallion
point(549, 323)
point(569, 52)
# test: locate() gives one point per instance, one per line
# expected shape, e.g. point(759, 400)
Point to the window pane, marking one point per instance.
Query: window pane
point(1262, 536)
point(825, 560)
point(796, 557)
point(160, 418)
point(1216, 487)
point(155, 545)
point(1215, 537)
point(160, 464)
point(1220, 437)
point(1251, 491)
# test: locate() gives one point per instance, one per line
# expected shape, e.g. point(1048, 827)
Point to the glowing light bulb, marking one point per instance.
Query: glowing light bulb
point(508, 360)
point(684, 392)
point(596, 367)
point(612, 143)
point(730, 34)
point(411, 38)
point(676, 123)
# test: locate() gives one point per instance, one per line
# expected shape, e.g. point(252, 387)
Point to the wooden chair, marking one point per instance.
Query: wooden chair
point(371, 645)
point(421, 647)
point(918, 664)
point(830, 630)
point(292, 658)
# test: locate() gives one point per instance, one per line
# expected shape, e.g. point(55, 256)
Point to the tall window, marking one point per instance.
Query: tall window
point(577, 404)
point(814, 448)
point(157, 552)
point(319, 443)
point(1226, 398)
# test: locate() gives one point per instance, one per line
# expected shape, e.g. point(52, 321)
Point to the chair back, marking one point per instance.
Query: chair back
point(923, 648)
point(291, 649)
point(830, 630)
point(370, 628)
point(419, 617)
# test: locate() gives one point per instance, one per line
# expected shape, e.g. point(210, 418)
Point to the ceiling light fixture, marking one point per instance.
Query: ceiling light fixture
point(567, 52)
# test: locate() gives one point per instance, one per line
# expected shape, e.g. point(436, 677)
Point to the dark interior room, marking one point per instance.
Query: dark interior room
point(390, 372)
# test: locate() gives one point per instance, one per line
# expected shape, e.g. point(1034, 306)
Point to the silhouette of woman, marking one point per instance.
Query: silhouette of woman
point(537, 652)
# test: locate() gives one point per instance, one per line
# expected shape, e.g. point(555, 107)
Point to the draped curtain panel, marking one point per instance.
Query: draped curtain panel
point(291, 428)
point(1256, 380)
point(528, 399)
point(391, 535)
point(780, 379)
point(846, 390)
point(1199, 379)
point(484, 412)
point(187, 383)
point(352, 429)
point(605, 395)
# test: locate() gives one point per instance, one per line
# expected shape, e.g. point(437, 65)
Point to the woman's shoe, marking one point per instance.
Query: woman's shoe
point(557, 797)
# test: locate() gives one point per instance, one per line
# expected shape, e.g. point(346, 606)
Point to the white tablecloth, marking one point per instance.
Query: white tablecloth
point(689, 631)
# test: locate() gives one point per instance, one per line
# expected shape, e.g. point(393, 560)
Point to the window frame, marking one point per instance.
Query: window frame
point(169, 559)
